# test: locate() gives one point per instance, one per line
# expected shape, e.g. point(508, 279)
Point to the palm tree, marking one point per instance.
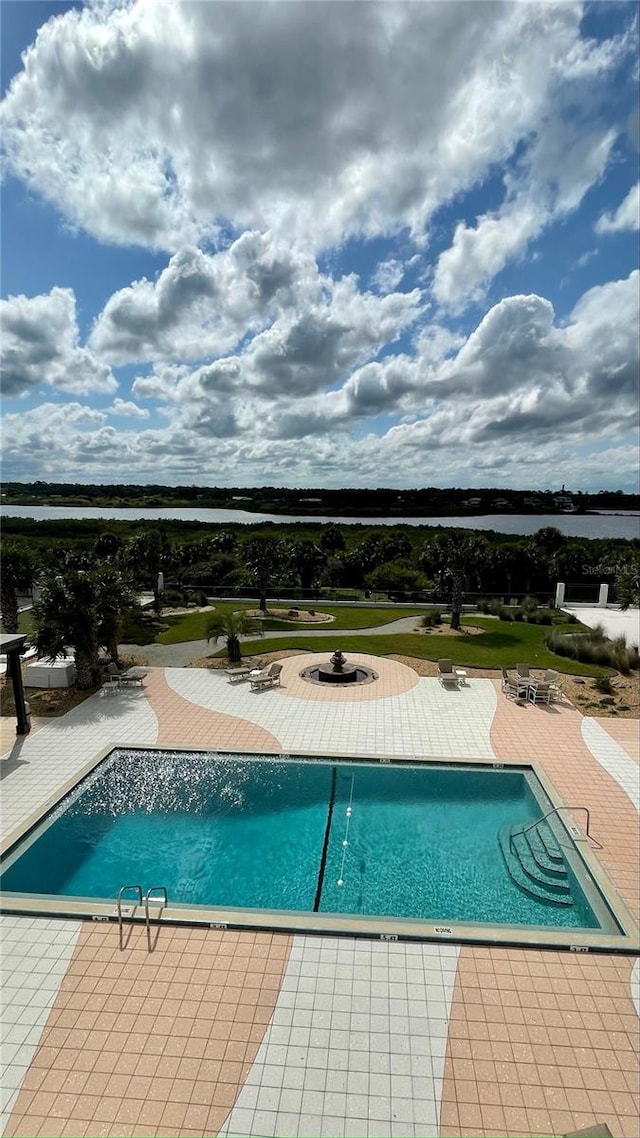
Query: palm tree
point(230, 626)
point(628, 584)
point(147, 555)
point(309, 560)
point(81, 610)
point(116, 598)
point(332, 539)
point(266, 558)
point(16, 577)
point(456, 556)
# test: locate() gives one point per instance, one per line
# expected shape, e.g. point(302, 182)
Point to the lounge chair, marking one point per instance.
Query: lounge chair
point(446, 673)
point(268, 678)
point(237, 674)
point(112, 676)
point(135, 677)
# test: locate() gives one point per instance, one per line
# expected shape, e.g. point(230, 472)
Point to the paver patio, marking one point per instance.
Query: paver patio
point(246, 1033)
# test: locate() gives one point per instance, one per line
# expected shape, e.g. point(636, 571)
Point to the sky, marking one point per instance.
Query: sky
point(320, 244)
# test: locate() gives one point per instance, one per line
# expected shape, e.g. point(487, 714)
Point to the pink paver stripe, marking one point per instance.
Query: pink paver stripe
point(161, 1042)
point(551, 736)
point(543, 1042)
point(540, 1043)
point(181, 723)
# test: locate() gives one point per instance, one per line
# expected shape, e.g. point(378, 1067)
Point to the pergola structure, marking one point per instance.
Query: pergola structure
point(12, 645)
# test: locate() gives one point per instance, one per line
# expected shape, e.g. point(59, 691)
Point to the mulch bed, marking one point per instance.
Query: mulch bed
point(304, 616)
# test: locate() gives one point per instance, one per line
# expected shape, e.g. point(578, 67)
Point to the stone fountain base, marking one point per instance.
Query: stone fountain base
point(338, 671)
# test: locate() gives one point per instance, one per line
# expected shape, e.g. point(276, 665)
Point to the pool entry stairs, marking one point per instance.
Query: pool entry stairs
point(535, 862)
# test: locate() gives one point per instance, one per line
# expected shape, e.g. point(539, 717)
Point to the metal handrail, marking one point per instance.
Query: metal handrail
point(148, 897)
point(121, 892)
point(556, 810)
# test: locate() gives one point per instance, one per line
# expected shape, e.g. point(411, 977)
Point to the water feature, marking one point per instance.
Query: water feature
point(338, 671)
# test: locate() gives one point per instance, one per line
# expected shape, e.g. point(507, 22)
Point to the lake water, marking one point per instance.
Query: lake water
point(572, 525)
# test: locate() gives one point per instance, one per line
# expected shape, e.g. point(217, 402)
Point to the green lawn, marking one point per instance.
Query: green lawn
point(193, 625)
point(501, 645)
point(25, 623)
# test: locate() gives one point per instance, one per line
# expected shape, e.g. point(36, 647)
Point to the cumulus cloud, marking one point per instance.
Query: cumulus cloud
point(520, 376)
point(310, 346)
point(40, 347)
point(203, 304)
point(626, 217)
point(524, 376)
point(261, 146)
point(126, 408)
point(153, 122)
point(43, 441)
point(306, 351)
point(550, 182)
point(388, 275)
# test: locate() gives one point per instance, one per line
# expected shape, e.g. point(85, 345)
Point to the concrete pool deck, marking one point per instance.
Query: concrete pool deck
point(259, 1033)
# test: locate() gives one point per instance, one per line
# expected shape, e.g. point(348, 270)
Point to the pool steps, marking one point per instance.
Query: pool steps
point(541, 849)
point(535, 862)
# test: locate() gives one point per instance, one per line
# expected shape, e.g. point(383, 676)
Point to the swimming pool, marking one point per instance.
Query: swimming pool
point(424, 842)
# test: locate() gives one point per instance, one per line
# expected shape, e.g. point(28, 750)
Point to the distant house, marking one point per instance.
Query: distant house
point(531, 500)
point(473, 502)
point(241, 498)
point(501, 503)
point(309, 499)
point(563, 501)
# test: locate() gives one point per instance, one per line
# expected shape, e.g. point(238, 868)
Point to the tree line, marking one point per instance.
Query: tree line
point(88, 585)
point(344, 502)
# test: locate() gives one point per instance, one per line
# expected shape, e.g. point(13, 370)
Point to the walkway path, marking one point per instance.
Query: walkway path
point(178, 655)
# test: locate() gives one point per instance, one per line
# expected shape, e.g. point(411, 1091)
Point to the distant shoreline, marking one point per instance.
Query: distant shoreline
point(149, 503)
point(26, 519)
point(181, 504)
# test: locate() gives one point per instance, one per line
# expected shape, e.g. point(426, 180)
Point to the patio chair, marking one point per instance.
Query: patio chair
point(523, 671)
point(269, 678)
point(512, 686)
point(552, 678)
point(446, 673)
point(539, 692)
point(110, 686)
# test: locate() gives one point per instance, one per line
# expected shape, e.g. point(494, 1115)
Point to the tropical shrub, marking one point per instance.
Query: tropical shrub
point(82, 610)
point(230, 626)
point(431, 619)
point(593, 648)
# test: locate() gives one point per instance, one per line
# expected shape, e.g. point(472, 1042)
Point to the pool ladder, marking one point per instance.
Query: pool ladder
point(148, 897)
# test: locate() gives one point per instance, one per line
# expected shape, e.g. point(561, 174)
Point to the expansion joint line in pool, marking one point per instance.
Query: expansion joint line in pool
point(325, 843)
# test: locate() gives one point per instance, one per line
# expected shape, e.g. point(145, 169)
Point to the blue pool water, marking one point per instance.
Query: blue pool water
point(267, 833)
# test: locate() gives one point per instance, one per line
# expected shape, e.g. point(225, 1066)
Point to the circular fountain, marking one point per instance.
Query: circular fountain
point(338, 671)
